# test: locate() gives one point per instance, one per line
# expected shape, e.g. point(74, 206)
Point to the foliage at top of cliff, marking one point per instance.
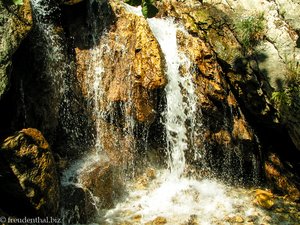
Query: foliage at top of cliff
point(148, 8)
point(288, 97)
point(18, 2)
point(14, 2)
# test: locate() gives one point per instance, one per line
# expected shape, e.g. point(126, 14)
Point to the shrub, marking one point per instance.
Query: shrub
point(250, 30)
point(289, 97)
point(148, 8)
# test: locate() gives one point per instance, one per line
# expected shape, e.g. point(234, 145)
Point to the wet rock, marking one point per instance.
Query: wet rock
point(32, 165)
point(104, 185)
point(144, 180)
point(264, 199)
point(137, 218)
point(281, 179)
point(118, 145)
point(235, 219)
point(157, 221)
point(15, 23)
point(80, 205)
point(137, 71)
point(223, 123)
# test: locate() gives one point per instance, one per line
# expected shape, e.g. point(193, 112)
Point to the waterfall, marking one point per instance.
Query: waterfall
point(172, 195)
point(180, 94)
point(62, 115)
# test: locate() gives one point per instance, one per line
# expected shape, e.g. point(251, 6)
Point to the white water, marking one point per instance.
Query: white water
point(180, 94)
point(170, 195)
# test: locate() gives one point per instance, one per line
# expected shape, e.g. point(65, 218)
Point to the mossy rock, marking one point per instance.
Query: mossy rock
point(32, 164)
point(15, 23)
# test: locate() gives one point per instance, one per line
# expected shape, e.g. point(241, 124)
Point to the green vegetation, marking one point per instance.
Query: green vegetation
point(289, 96)
point(250, 30)
point(18, 2)
point(13, 2)
point(148, 8)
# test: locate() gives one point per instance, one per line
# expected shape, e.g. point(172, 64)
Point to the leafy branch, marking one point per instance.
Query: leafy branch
point(148, 8)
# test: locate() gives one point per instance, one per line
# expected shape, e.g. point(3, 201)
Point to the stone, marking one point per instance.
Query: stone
point(264, 199)
point(235, 219)
point(138, 68)
point(71, 2)
point(80, 205)
point(103, 183)
point(31, 162)
point(276, 53)
point(281, 178)
point(223, 124)
point(157, 221)
point(136, 218)
point(15, 23)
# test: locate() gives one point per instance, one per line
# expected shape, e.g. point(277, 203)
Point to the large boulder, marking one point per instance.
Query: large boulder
point(31, 171)
point(15, 23)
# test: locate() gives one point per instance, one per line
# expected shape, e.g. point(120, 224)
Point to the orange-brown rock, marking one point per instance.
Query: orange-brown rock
point(281, 178)
point(100, 180)
point(132, 65)
point(118, 145)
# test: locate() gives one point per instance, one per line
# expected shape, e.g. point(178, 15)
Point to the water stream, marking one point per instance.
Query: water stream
point(180, 94)
point(166, 195)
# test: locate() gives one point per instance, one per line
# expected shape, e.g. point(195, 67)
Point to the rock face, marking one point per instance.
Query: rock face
point(255, 63)
point(43, 61)
point(129, 74)
point(129, 68)
point(15, 23)
point(282, 180)
point(132, 67)
point(231, 83)
point(32, 166)
point(270, 62)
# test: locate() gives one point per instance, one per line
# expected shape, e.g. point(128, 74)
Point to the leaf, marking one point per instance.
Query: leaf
point(149, 10)
point(18, 2)
point(133, 2)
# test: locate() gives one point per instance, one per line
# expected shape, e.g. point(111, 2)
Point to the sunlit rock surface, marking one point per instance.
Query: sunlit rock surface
point(132, 66)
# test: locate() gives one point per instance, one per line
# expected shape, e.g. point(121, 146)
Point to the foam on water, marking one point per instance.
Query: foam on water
point(180, 199)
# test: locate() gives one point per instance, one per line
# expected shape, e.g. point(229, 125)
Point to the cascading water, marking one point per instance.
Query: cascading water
point(54, 74)
point(170, 196)
point(178, 109)
point(167, 195)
